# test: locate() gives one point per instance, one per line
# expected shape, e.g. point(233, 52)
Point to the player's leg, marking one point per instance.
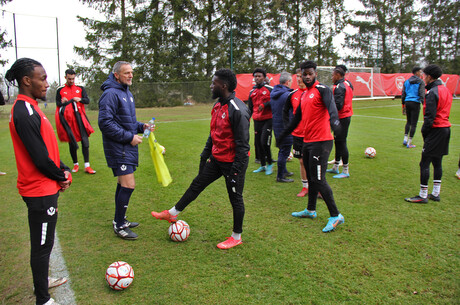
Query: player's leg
point(297, 151)
point(341, 146)
point(310, 211)
point(210, 173)
point(413, 118)
point(284, 151)
point(73, 153)
point(437, 176)
point(235, 187)
point(258, 126)
point(126, 180)
point(42, 214)
point(422, 197)
point(85, 151)
point(266, 140)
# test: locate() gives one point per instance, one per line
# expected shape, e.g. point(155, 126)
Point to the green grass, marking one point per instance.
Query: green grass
point(387, 252)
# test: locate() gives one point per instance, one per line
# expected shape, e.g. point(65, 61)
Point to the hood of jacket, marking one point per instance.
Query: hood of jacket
point(111, 82)
point(279, 90)
point(415, 80)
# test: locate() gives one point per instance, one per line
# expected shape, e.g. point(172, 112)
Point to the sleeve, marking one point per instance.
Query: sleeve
point(250, 104)
point(292, 124)
point(431, 102)
point(268, 102)
point(28, 129)
point(58, 98)
point(84, 96)
point(339, 95)
point(109, 126)
point(421, 91)
point(403, 94)
point(239, 121)
point(328, 101)
point(287, 109)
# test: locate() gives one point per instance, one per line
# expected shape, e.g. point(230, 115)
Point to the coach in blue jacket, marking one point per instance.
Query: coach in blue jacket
point(278, 96)
point(120, 128)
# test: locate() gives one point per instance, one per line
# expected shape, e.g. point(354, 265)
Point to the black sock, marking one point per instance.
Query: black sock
point(122, 202)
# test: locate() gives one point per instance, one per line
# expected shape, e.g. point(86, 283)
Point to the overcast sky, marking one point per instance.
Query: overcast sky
point(36, 32)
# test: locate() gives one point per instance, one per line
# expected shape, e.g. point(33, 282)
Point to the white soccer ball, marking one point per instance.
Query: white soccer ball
point(163, 149)
point(119, 275)
point(179, 231)
point(370, 152)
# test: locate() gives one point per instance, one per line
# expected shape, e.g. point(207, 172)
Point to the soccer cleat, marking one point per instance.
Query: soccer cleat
point(305, 214)
point(51, 301)
point(229, 243)
point(165, 216)
point(417, 199)
point(89, 170)
point(332, 170)
point(288, 174)
point(434, 198)
point(269, 169)
point(127, 224)
point(342, 175)
point(260, 169)
point(125, 233)
point(457, 174)
point(303, 192)
point(54, 282)
point(75, 168)
point(284, 180)
point(333, 222)
point(411, 146)
point(2, 173)
point(404, 143)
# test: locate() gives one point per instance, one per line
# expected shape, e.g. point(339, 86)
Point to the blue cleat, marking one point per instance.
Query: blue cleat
point(332, 170)
point(305, 214)
point(342, 175)
point(333, 222)
point(269, 169)
point(260, 169)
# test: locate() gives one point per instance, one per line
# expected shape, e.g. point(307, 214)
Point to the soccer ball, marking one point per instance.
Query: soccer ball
point(163, 149)
point(179, 231)
point(119, 275)
point(370, 152)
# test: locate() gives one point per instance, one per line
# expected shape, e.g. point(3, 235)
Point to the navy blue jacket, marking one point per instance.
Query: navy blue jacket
point(278, 98)
point(118, 123)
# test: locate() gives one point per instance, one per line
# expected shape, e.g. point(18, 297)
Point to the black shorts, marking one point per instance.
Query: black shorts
point(297, 147)
point(123, 169)
point(436, 143)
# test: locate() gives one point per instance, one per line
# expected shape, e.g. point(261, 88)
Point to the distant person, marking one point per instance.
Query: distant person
point(278, 97)
point(226, 153)
point(41, 173)
point(72, 124)
point(413, 94)
point(343, 96)
point(2, 102)
point(260, 108)
point(435, 132)
point(120, 129)
point(292, 103)
point(318, 112)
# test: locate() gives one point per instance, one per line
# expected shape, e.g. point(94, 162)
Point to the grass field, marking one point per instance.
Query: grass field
point(387, 252)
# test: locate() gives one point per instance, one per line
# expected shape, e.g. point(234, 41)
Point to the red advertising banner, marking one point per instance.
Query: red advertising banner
point(382, 84)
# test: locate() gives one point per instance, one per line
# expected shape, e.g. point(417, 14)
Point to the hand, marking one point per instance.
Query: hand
point(261, 107)
point(404, 109)
point(66, 184)
point(77, 99)
point(64, 99)
point(136, 140)
point(152, 128)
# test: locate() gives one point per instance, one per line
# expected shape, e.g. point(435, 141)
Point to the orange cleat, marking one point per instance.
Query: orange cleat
point(89, 170)
point(229, 243)
point(303, 192)
point(75, 168)
point(165, 216)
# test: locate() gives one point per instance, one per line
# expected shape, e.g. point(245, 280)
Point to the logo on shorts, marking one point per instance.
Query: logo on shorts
point(123, 167)
point(51, 211)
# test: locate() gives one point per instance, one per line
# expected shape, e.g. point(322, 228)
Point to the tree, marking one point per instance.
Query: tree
point(4, 43)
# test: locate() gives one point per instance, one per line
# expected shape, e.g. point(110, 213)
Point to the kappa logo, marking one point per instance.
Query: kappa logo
point(316, 158)
point(123, 167)
point(311, 95)
point(51, 211)
point(223, 115)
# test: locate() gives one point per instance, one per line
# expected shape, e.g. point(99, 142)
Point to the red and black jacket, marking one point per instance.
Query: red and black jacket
point(318, 112)
point(71, 119)
point(292, 103)
point(343, 96)
point(228, 140)
point(436, 109)
point(36, 150)
point(260, 95)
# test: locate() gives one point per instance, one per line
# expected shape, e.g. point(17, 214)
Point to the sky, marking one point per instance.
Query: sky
point(36, 32)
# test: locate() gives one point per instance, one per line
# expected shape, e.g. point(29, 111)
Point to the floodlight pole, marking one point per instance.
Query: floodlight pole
point(15, 40)
point(57, 44)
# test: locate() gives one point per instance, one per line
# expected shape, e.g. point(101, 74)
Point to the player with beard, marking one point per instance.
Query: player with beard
point(317, 110)
point(226, 153)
